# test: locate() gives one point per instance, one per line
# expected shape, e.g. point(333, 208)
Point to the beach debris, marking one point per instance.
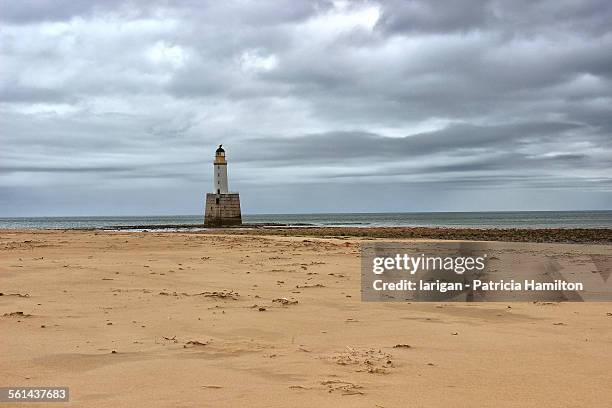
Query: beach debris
point(22, 295)
point(114, 352)
point(172, 339)
point(559, 324)
point(16, 314)
point(212, 386)
point(261, 309)
point(316, 285)
point(195, 343)
point(223, 294)
point(284, 301)
point(343, 387)
point(454, 334)
point(402, 346)
point(371, 360)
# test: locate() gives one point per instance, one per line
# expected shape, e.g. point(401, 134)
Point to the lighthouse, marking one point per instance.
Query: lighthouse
point(222, 207)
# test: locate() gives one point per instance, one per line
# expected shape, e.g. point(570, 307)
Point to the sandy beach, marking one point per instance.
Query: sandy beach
point(160, 319)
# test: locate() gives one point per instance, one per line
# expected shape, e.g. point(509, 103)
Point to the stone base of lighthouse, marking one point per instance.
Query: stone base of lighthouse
point(222, 210)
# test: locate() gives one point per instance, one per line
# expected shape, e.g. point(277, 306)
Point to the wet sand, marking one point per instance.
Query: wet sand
point(189, 319)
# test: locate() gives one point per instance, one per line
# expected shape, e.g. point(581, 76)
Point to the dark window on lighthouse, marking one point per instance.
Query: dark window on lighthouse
point(217, 200)
point(218, 192)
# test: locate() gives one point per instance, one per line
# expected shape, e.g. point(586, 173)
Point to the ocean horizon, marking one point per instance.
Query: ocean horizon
point(488, 219)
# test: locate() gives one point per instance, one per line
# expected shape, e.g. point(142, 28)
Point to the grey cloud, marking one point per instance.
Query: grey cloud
point(131, 98)
point(261, 12)
point(512, 18)
point(453, 139)
point(435, 16)
point(31, 11)
point(16, 94)
point(48, 169)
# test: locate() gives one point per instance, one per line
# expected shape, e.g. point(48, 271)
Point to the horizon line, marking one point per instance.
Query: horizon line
point(308, 213)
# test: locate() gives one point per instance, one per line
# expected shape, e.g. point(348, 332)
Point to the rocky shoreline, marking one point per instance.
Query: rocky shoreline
point(556, 235)
point(543, 235)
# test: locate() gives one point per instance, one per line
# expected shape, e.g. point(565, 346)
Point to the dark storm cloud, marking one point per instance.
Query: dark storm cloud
point(131, 97)
point(435, 16)
point(510, 17)
point(457, 138)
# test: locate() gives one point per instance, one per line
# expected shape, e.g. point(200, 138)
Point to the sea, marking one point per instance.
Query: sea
point(505, 219)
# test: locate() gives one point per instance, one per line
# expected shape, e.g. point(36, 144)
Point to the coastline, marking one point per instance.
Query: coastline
point(542, 235)
point(546, 235)
point(536, 235)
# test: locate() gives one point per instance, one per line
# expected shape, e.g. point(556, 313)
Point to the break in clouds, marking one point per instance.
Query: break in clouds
point(116, 107)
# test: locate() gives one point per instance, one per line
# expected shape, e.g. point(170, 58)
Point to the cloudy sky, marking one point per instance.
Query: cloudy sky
point(116, 108)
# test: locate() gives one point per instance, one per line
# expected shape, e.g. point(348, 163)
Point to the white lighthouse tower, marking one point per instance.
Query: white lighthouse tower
point(220, 175)
point(222, 207)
